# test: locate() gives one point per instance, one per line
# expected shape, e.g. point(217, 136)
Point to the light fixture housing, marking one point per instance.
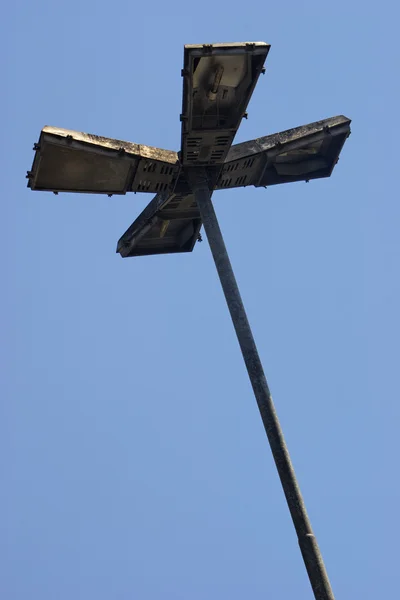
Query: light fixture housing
point(299, 154)
point(218, 81)
point(71, 161)
point(170, 224)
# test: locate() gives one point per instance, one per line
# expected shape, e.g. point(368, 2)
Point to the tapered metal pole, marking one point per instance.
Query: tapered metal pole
point(308, 544)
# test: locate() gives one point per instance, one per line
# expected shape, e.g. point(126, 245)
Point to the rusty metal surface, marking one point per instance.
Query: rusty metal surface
point(137, 150)
point(265, 143)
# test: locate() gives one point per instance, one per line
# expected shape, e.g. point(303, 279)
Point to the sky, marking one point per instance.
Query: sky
point(133, 459)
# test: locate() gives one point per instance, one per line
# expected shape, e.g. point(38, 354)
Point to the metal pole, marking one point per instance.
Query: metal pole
point(308, 544)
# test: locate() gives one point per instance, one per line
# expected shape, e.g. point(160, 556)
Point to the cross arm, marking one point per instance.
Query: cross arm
point(71, 161)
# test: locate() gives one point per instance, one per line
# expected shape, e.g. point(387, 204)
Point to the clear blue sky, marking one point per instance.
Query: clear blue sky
point(133, 460)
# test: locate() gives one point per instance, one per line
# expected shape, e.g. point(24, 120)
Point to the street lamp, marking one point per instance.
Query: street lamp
point(218, 80)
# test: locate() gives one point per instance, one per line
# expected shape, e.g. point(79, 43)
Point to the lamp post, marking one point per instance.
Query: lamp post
point(218, 81)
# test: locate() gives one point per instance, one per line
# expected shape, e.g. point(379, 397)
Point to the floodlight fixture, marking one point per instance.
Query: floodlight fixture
point(218, 81)
point(71, 161)
point(299, 154)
